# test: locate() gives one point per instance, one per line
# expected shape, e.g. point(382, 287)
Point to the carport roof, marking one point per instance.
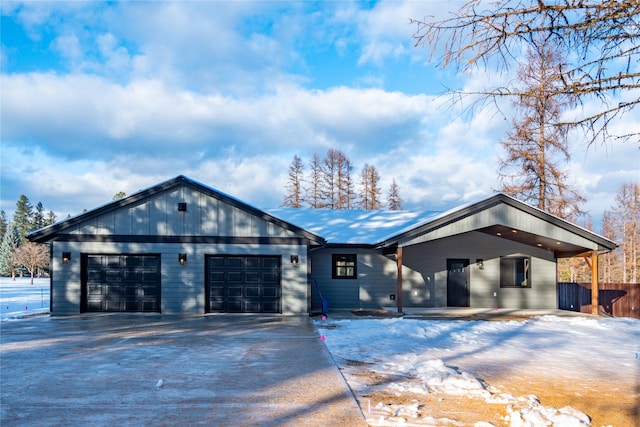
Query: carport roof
point(386, 228)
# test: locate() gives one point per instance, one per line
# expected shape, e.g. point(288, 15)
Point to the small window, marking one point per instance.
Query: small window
point(344, 266)
point(515, 272)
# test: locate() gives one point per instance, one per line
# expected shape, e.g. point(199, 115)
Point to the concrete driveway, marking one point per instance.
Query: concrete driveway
point(138, 369)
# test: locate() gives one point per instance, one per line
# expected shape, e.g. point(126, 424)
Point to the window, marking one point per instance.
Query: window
point(344, 266)
point(515, 272)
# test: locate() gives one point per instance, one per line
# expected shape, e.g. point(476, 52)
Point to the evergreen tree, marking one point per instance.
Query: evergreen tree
point(395, 202)
point(294, 196)
point(51, 218)
point(4, 223)
point(10, 242)
point(627, 210)
point(22, 217)
point(38, 220)
point(119, 195)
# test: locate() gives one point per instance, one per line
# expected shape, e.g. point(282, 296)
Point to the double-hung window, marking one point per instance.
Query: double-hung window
point(515, 272)
point(344, 266)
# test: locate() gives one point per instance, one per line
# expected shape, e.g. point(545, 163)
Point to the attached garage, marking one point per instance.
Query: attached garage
point(178, 247)
point(121, 283)
point(243, 284)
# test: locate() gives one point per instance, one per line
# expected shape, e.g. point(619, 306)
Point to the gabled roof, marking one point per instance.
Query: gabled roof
point(390, 228)
point(48, 233)
point(354, 227)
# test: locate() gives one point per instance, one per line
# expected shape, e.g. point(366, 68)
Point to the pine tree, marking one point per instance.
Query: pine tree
point(4, 223)
point(38, 220)
point(119, 195)
point(294, 196)
point(51, 218)
point(10, 242)
point(395, 202)
point(537, 144)
point(22, 217)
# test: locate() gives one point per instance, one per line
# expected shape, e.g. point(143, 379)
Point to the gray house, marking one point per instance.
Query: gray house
point(183, 247)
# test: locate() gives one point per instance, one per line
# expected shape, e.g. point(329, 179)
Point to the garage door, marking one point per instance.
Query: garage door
point(122, 283)
point(243, 284)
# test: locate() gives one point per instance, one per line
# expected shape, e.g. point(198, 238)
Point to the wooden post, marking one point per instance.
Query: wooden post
point(594, 282)
point(399, 265)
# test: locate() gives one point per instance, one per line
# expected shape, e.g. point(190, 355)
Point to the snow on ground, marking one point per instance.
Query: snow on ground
point(423, 356)
point(19, 299)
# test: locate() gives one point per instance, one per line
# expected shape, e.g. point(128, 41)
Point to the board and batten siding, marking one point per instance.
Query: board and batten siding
point(183, 286)
point(158, 215)
point(504, 214)
point(425, 273)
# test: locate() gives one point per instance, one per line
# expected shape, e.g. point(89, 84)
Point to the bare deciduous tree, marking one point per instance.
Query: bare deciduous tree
point(534, 149)
point(31, 256)
point(627, 210)
point(601, 38)
point(293, 198)
point(394, 199)
point(370, 188)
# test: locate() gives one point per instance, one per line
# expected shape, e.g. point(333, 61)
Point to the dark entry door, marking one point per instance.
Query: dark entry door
point(121, 283)
point(457, 283)
point(243, 284)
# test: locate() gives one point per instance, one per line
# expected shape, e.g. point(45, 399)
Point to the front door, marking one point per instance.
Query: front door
point(457, 283)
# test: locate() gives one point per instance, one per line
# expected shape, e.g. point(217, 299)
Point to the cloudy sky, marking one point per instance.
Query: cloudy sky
point(102, 97)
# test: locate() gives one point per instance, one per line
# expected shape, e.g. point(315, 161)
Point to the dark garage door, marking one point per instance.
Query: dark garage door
point(243, 284)
point(122, 283)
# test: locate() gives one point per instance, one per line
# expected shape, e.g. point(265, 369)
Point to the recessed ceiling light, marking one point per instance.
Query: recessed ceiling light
point(498, 234)
point(514, 231)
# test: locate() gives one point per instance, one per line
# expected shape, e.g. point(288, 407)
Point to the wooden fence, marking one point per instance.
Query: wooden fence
point(615, 299)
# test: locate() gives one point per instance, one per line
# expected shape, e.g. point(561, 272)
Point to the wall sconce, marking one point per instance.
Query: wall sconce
point(480, 263)
point(66, 257)
point(182, 207)
point(182, 259)
point(294, 260)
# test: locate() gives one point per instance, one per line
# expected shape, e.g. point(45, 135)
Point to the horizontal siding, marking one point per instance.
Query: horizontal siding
point(375, 283)
point(425, 273)
point(183, 286)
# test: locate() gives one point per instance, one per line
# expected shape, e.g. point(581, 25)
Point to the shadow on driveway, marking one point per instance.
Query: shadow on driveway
point(140, 369)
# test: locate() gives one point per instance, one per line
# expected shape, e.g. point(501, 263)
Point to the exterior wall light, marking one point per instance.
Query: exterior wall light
point(182, 259)
point(294, 260)
point(182, 207)
point(66, 257)
point(480, 263)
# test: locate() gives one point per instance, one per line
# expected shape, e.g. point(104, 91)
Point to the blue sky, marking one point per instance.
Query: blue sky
point(101, 97)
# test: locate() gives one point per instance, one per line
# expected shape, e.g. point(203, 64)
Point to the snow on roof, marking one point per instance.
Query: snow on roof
point(348, 226)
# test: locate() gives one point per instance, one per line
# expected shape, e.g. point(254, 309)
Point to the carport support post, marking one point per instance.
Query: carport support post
point(594, 282)
point(399, 265)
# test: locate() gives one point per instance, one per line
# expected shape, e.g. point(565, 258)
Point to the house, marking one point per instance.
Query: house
point(183, 247)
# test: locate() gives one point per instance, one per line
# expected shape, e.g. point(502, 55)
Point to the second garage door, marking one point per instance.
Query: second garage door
point(243, 284)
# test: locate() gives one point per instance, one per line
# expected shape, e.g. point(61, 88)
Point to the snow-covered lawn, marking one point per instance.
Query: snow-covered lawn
point(19, 298)
point(539, 371)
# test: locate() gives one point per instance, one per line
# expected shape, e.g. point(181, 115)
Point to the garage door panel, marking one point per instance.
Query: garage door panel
point(122, 283)
point(238, 284)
